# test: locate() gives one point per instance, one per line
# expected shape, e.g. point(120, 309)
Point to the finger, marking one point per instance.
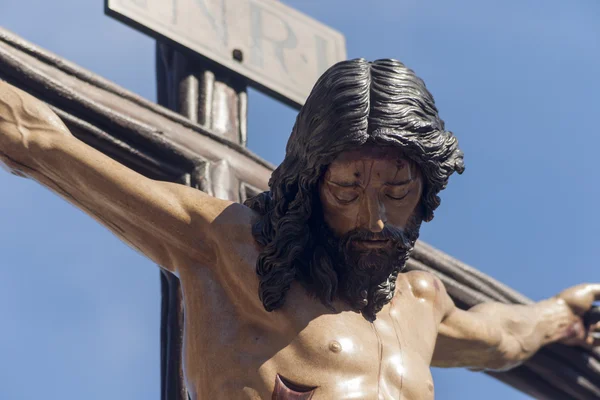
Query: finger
point(594, 330)
point(595, 288)
point(593, 340)
point(581, 297)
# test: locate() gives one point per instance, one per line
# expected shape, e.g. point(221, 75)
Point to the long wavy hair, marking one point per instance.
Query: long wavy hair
point(353, 103)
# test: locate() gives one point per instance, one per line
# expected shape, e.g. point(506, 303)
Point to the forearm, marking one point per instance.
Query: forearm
point(29, 132)
point(499, 336)
point(523, 330)
point(43, 158)
point(158, 218)
point(36, 144)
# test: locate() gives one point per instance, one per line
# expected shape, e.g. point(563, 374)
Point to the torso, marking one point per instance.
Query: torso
point(234, 349)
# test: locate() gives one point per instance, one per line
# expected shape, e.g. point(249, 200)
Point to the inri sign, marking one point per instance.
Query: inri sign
point(280, 50)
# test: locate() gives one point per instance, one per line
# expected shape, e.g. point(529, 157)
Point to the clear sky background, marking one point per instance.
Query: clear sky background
point(516, 81)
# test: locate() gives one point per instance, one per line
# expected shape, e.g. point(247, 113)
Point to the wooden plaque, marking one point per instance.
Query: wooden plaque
point(278, 49)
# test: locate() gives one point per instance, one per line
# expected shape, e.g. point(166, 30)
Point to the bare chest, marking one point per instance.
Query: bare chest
point(348, 357)
point(303, 348)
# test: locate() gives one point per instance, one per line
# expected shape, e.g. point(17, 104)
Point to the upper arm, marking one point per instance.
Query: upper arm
point(167, 222)
point(467, 338)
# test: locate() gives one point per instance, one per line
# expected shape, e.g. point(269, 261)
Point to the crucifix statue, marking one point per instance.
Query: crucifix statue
point(301, 292)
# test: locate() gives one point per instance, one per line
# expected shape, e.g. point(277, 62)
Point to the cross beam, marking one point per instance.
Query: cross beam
point(164, 145)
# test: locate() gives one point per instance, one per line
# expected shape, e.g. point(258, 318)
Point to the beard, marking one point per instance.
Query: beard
point(367, 277)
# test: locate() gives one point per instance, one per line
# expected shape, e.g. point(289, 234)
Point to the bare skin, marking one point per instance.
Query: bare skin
point(233, 348)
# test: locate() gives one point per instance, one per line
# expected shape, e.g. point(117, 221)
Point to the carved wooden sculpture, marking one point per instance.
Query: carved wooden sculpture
point(166, 146)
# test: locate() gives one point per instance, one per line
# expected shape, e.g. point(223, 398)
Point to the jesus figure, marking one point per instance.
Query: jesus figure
point(300, 293)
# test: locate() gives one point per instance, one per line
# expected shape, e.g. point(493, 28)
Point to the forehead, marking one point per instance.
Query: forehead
point(386, 160)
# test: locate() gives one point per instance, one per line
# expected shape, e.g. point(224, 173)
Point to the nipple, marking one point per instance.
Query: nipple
point(335, 346)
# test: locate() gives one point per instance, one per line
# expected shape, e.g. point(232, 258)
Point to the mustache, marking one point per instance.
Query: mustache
point(396, 235)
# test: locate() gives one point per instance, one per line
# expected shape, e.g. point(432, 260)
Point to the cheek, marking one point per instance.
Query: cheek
point(398, 215)
point(340, 220)
point(397, 221)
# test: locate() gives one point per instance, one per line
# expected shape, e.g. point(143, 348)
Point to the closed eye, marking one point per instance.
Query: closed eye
point(397, 197)
point(344, 192)
point(346, 199)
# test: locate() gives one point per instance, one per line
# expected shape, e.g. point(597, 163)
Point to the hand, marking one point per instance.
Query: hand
point(580, 300)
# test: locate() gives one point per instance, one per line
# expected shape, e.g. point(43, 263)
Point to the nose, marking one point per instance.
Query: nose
point(372, 213)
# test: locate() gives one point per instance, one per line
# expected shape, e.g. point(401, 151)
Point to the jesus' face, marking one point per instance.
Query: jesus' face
point(369, 189)
point(370, 199)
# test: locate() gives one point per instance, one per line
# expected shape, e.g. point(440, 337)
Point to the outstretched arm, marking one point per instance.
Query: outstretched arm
point(500, 336)
point(165, 221)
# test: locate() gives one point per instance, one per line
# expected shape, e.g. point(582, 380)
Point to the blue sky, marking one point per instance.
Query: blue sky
point(516, 81)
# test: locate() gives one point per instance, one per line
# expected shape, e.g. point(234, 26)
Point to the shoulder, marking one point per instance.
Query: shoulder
point(218, 216)
point(223, 226)
point(233, 248)
point(233, 226)
point(234, 215)
point(424, 285)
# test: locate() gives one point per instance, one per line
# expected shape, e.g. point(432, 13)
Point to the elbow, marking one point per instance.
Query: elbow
point(506, 355)
point(509, 341)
